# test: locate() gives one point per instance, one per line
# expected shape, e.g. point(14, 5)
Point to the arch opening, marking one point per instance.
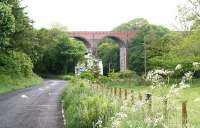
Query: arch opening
point(108, 50)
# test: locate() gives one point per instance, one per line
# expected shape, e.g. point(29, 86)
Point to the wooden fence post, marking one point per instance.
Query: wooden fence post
point(148, 99)
point(184, 114)
point(165, 112)
point(125, 93)
point(120, 93)
point(115, 91)
point(140, 96)
point(132, 97)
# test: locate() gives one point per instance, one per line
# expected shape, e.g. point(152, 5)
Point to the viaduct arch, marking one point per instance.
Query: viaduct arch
point(93, 38)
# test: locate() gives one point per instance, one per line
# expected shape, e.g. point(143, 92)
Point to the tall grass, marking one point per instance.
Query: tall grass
point(85, 108)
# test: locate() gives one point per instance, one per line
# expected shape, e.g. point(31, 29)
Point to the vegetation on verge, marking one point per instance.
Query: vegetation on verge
point(83, 107)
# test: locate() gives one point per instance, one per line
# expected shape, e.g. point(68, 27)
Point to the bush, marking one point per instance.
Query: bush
point(87, 75)
point(15, 63)
point(104, 79)
point(128, 74)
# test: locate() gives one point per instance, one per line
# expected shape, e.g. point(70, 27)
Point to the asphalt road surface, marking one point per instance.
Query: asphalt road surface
point(36, 107)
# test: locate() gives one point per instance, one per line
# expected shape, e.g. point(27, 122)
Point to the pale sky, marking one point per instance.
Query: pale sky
point(100, 15)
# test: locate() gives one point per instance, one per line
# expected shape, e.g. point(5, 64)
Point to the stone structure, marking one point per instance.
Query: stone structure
point(92, 39)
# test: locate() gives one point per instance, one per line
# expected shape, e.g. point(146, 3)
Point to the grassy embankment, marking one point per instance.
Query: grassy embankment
point(12, 83)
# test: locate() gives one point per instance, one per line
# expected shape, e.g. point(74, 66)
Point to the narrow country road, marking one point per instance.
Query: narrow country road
point(36, 107)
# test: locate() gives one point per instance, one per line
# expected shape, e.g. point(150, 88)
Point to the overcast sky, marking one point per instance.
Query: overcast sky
point(100, 15)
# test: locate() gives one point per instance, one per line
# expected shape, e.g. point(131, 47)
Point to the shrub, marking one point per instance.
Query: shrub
point(87, 75)
point(104, 79)
point(128, 74)
point(15, 63)
point(113, 75)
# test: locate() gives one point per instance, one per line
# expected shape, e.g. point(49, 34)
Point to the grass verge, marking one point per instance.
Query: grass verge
point(12, 83)
point(84, 108)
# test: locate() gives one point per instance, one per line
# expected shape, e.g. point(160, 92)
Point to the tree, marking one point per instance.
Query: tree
point(132, 25)
point(148, 37)
point(61, 57)
point(189, 16)
point(23, 26)
point(7, 25)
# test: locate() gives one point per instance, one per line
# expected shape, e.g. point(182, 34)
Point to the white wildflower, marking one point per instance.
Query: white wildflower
point(178, 67)
point(99, 123)
point(196, 65)
point(188, 75)
point(173, 86)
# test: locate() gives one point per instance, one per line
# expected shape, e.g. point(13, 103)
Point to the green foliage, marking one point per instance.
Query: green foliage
point(148, 37)
point(7, 25)
point(87, 75)
point(23, 34)
point(109, 53)
point(185, 52)
point(15, 63)
point(128, 74)
point(13, 82)
point(61, 57)
point(155, 39)
point(43, 40)
point(54, 52)
point(67, 77)
point(83, 106)
point(132, 25)
point(104, 80)
point(16, 33)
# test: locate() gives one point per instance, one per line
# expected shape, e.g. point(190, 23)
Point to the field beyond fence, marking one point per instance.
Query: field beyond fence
point(155, 108)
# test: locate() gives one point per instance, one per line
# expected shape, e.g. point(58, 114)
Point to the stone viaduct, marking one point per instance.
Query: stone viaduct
point(92, 38)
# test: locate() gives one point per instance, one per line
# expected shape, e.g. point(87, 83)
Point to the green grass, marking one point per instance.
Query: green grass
point(129, 84)
point(12, 83)
point(83, 107)
point(59, 77)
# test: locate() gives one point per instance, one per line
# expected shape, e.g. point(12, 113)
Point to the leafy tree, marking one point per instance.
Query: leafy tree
point(24, 34)
point(15, 64)
point(148, 37)
point(132, 25)
point(7, 25)
point(189, 16)
point(185, 52)
point(61, 57)
point(43, 38)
